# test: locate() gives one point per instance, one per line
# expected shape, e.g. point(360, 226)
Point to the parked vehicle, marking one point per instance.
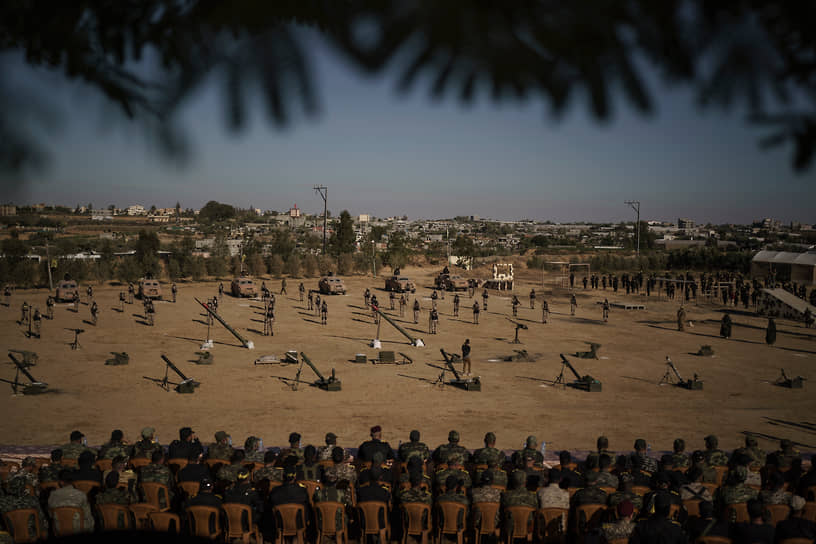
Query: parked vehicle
point(400, 284)
point(331, 285)
point(451, 282)
point(149, 288)
point(66, 289)
point(243, 287)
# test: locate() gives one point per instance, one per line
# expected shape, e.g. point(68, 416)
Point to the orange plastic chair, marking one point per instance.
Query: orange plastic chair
point(311, 486)
point(16, 522)
point(711, 487)
point(190, 488)
point(618, 541)
point(239, 523)
point(138, 462)
point(552, 524)
point(810, 511)
point(115, 517)
point(778, 512)
point(326, 514)
point(205, 521)
point(588, 516)
point(86, 486)
point(153, 492)
point(484, 520)
point(165, 522)
point(523, 523)
point(374, 519)
point(608, 489)
point(737, 512)
point(721, 472)
point(63, 520)
point(104, 464)
point(290, 521)
point(176, 464)
point(69, 463)
point(692, 506)
point(640, 490)
point(141, 511)
point(451, 520)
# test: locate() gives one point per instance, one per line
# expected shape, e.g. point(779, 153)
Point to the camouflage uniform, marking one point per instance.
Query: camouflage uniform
point(716, 458)
point(115, 449)
point(251, 452)
point(519, 456)
point(607, 479)
point(159, 474)
point(553, 496)
point(621, 529)
point(733, 494)
point(116, 495)
point(413, 449)
point(619, 496)
point(342, 472)
point(297, 452)
point(709, 474)
point(484, 456)
point(406, 477)
point(519, 497)
point(452, 497)
point(29, 478)
point(757, 455)
point(778, 496)
point(486, 494)
point(499, 477)
point(145, 448)
point(125, 476)
point(71, 496)
point(72, 450)
point(443, 452)
point(644, 462)
point(229, 473)
point(680, 460)
point(219, 451)
point(442, 475)
point(330, 493)
point(50, 472)
point(590, 495)
point(324, 453)
point(18, 498)
point(695, 491)
point(273, 474)
point(415, 495)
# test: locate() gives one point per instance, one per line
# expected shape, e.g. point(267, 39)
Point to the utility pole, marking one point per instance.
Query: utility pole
point(48, 266)
point(373, 259)
point(324, 192)
point(635, 205)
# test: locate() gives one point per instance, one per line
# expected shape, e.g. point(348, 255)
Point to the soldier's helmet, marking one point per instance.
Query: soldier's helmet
point(453, 436)
point(532, 441)
point(711, 441)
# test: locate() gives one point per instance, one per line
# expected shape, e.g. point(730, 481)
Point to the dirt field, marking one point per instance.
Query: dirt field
point(517, 398)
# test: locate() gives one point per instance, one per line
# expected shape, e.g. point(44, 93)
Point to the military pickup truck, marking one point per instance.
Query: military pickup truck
point(243, 287)
point(66, 289)
point(149, 288)
point(400, 284)
point(331, 285)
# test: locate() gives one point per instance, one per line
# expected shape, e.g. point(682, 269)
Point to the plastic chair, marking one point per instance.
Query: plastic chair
point(484, 516)
point(311, 486)
point(572, 491)
point(713, 540)
point(640, 490)
point(618, 541)
point(796, 541)
point(63, 518)
point(778, 512)
point(588, 516)
point(204, 521)
point(374, 519)
point(86, 486)
point(522, 526)
point(190, 489)
point(175, 464)
point(138, 462)
point(16, 522)
point(451, 520)
point(115, 517)
point(692, 506)
point(239, 523)
point(153, 492)
point(736, 512)
point(165, 522)
point(328, 526)
point(104, 464)
point(141, 511)
point(810, 511)
point(290, 521)
point(711, 487)
point(552, 524)
point(721, 472)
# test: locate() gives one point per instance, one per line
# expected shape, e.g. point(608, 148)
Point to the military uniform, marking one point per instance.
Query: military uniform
point(680, 460)
point(113, 449)
point(519, 497)
point(607, 479)
point(443, 452)
point(71, 496)
point(452, 497)
point(757, 455)
point(229, 473)
point(72, 450)
point(486, 494)
point(219, 451)
point(116, 495)
point(330, 493)
point(442, 475)
point(538, 458)
point(415, 495)
point(621, 529)
point(484, 456)
point(273, 474)
point(342, 472)
point(644, 462)
point(777, 496)
point(28, 478)
point(288, 452)
point(658, 529)
point(590, 495)
point(17, 499)
point(145, 448)
point(159, 474)
point(716, 458)
point(243, 493)
point(619, 496)
point(50, 472)
point(413, 449)
point(499, 477)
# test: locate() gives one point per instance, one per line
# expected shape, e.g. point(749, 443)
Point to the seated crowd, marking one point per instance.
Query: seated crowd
point(747, 496)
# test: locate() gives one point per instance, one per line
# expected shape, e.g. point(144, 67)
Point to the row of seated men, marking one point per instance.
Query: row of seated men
point(596, 481)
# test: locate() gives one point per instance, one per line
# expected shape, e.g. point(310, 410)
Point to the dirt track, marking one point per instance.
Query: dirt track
point(517, 398)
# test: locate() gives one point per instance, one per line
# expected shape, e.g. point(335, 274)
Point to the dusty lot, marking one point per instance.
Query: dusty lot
point(517, 398)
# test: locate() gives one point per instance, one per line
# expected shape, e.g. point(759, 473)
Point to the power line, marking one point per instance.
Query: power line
point(324, 192)
point(635, 205)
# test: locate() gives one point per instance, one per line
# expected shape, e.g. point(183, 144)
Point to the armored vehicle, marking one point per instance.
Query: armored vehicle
point(149, 288)
point(451, 282)
point(66, 289)
point(243, 287)
point(400, 284)
point(331, 285)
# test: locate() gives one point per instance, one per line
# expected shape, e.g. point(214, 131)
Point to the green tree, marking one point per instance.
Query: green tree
point(215, 212)
point(310, 266)
point(147, 253)
point(398, 253)
point(293, 267)
point(342, 241)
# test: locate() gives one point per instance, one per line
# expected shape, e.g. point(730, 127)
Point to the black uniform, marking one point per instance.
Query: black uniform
point(658, 529)
point(288, 493)
point(179, 449)
point(370, 447)
point(194, 472)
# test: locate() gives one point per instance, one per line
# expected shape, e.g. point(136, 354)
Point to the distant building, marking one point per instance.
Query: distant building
point(136, 209)
point(363, 218)
point(771, 224)
point(8, 209)
point(785, 265)
point(294, 211)
point(683, 223)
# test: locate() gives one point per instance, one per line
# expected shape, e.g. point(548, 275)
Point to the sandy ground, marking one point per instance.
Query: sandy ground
point(517, 398)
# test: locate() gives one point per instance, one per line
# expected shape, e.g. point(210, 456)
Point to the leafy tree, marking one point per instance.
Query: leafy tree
point(293, 267)
point(147, 252)
point(463, 246)
point(275, 265)
point(310, 266)
point(345, 264)
point(398, 254)
point(215, 212)
point(342, 241)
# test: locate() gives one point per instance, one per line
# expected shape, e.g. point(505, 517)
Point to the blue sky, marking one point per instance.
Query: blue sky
point(385, 154)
